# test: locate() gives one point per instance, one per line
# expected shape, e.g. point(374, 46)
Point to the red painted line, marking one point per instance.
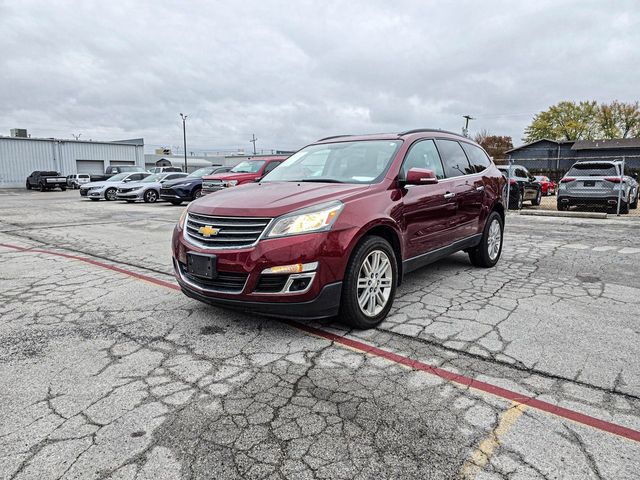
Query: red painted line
point(463, 380)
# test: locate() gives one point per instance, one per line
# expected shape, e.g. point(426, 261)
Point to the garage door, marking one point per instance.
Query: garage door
point(120, 163)
point(91, 167)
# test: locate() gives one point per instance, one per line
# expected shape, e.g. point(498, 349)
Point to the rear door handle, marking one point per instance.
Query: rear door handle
point(449, 195)
point(480, 188)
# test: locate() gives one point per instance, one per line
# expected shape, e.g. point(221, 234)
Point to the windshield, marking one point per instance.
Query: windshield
point(201, 172)
point(593, 170)
point(153, 178)
point(119, 177)
point(248, 167)
point(344, 162)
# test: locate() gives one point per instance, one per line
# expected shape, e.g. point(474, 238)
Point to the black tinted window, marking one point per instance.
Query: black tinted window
point(593, 170)
point(453, 158)
point(270, 167)
point(423, 154)
point(478, 159)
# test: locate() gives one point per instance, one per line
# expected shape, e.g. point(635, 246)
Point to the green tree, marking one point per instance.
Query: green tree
point(564, 121)
point(626, 117)
point(495, 145)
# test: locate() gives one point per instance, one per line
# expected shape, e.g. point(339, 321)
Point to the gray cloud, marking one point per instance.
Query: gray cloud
point(291, 72)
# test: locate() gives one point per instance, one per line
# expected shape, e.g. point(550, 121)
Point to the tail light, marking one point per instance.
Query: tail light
point(513, 182)
point(567, 180)
point(613, 179)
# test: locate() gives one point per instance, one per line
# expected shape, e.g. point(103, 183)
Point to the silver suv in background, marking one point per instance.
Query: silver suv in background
point(75, 180)
point(598, 183)
point(147, 189)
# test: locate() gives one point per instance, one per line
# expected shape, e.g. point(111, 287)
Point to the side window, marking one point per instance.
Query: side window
point(423, 154)
point(270, 167)
point(521, 173)
point(137, 176)
point(478, 159)
point(453, 158)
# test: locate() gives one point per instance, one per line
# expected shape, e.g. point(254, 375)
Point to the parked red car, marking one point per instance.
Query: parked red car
point(548, 186)
point(333, 230)
point(245, 172)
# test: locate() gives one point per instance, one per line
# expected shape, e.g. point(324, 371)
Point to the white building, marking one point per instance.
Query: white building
point(20, 156)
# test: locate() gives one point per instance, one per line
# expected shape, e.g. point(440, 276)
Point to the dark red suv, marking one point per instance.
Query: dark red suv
point(334, 228)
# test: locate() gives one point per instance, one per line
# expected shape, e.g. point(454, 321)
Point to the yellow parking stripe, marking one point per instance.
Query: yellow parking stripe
point(481, 455)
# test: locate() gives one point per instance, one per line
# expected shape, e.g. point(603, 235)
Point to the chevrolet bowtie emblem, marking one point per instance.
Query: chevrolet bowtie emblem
point(208, 231)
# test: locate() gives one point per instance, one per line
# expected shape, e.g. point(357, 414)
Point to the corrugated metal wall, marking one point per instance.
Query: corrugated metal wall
point(20, 157)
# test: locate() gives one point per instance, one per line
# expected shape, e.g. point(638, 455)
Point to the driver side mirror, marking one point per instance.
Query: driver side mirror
point(420, 176)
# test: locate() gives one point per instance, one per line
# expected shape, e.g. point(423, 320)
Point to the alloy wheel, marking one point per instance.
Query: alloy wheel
point(494, 240)
point(375, 279)
point(111, 194)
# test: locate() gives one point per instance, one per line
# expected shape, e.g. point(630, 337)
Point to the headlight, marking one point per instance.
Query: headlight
point(231, 183)
point(136, 188)
point(318, 218)
point(180, 185)
point(183, 216)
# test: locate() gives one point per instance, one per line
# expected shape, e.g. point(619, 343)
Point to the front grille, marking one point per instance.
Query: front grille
point(225, 282)
point(231, 231)
point(271, 283)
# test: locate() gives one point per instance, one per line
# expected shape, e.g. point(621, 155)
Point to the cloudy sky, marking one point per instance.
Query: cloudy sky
point(294, 71)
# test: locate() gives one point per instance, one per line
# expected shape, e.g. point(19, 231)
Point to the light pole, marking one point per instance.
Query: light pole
point(465, 130)
point(253, 140)
point(184, 136)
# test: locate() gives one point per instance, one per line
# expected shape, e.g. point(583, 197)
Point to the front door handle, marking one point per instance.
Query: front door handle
point(480, 188)
point(449, 195)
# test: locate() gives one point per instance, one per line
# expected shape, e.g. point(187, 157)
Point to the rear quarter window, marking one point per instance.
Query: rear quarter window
point(477, 158)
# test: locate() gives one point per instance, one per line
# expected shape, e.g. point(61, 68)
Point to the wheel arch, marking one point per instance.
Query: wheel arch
point(384, 229)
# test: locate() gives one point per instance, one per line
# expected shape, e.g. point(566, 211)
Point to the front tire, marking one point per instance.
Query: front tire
point(369, 285)
point(28, 185)
point(150, 196)
point(488, 251)
point(197, 193)
point(42, 188)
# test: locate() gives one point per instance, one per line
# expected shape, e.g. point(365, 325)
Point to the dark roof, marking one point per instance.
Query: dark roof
point(606, 144)
point(561, 142)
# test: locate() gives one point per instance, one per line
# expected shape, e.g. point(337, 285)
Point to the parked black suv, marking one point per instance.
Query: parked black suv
point(43, 180)
point(522, 186)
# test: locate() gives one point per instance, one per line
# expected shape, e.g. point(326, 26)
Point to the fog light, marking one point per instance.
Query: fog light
point(295, 268)
point(299, 284)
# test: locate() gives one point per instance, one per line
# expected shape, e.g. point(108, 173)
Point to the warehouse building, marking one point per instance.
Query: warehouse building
point(20, 155)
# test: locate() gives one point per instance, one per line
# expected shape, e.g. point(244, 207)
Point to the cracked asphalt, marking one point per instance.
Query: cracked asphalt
point(108, 372)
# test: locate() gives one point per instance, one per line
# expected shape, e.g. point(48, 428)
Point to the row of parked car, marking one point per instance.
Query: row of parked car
point(177, 187)
point(588, 183)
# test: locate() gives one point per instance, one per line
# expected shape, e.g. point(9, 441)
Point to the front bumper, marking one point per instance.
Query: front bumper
point(133, 195)
point(92, 193)
point(250, 289)
point(325, 304)
point(175, 194)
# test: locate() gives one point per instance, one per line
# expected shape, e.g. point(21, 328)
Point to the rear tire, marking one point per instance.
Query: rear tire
point(42, 187)
point(110, 194)
point(64, 189)
point(367, 294)
point(624, 206)
point(488, 251)
point(633, 205)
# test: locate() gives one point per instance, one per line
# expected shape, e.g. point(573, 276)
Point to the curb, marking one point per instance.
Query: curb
point(554, 213)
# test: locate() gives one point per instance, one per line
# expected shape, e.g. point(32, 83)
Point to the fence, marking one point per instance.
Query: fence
point(605, 184)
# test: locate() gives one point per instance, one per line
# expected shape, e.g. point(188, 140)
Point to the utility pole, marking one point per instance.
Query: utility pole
point(184, 136)
point(253, 140)
point(465, 130)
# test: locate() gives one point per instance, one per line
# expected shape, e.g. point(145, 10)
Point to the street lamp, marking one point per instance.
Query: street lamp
point(184, 136)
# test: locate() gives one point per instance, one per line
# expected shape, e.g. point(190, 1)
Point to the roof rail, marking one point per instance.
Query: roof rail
point(420, 130)
point(334, 136)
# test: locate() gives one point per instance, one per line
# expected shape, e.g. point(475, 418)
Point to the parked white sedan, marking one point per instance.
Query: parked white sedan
point(108, 189)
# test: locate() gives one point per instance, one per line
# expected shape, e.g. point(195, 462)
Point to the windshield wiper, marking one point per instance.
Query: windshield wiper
point(320, 180)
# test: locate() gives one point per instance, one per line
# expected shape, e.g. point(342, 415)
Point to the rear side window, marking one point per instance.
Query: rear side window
point(478, 159)
point(593, 170)
point(423, 154)
point(453, 158)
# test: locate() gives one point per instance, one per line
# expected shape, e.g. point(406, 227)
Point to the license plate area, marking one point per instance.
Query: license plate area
point(203, 266)
point(589, 183)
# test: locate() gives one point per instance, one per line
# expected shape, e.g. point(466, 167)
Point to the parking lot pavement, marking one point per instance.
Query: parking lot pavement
point(528, 370)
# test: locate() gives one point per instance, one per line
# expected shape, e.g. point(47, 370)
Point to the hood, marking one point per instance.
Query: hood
point(190, 180)
point(100, 184)
point(232, 176)
point(272, 199)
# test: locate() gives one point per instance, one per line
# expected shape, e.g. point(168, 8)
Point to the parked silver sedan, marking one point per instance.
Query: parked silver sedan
point(598, 183)
point(147, 189)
